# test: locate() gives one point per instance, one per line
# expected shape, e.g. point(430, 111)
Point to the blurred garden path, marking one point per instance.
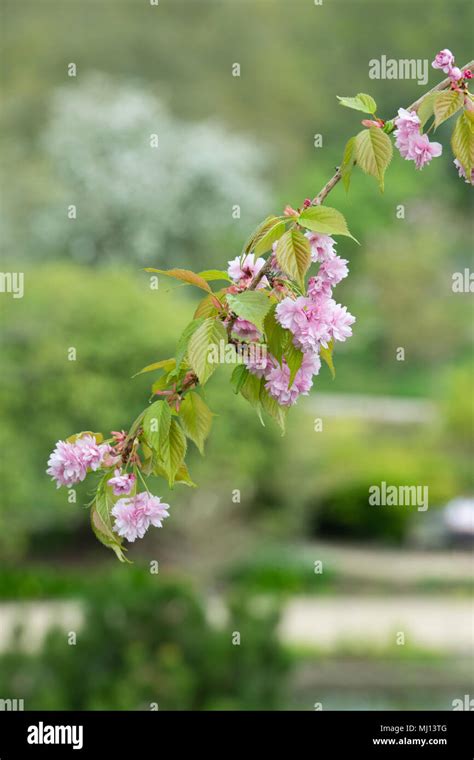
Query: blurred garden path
point(379, 593)
point(407, 567)
point(375, 408)
point(439, 623)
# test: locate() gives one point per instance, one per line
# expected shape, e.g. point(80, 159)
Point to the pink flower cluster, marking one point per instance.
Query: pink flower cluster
point(316, 318)
point(414, 146)
point(245, 330)
point(314, 322)
point(313, 319)
point(243, 270)
point(134, 516)
point(70, 462)
point(444, 60)
point(122, 483)
point(278, 379)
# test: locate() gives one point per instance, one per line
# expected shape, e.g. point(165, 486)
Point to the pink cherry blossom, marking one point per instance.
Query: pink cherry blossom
point(243, 270)
point(259, 362)
point(443, 60)
point(314, 322)
point(412, 145)
point(278, 380)
point(334, 270)
point(65, 465)
point(134, 516)
point(308, 320)
point(110, 458)
point(122, 483)
point(455, 74)
point(407, 126)
point(322, 246)
point(70, 462)
point(90, 452)
point(246, 330)
point(319, 287)
point(422, 150)
point(340, 322)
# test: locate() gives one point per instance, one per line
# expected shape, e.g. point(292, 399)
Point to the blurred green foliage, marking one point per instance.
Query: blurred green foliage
point(146, 641)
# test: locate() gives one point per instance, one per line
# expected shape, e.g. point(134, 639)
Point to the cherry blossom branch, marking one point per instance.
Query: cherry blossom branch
point(443, 85)
point(156, 442)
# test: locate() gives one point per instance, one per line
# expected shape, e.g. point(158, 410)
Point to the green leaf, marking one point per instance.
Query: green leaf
point(209, 334)
point(185, 275)
point(273, 408)
point(276, 335)
point(348, 163)
point(469, 109)
point(182, 474)
point(106, 535)
point(326, 356)
point(425, 109)
point(238, 377)
point(208, 307)
point(265, 238)
point(446, 104)
point(258, 234)
point(293, 254)
point(294, 359)
point(251, 305)
point(156, 425)
point(73, 438)
point(174, 451)
point(361, 102)
point(103, 501)
point(161, 384)
point(373, 153)
point(250, 389)
point(184, 339)
point(196, 418)
point(166, 364)
point(326, 220)
point(214, 274)
point(462, 143)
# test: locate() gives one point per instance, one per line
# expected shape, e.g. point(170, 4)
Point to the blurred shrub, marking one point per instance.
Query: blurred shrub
point(325, 482)
point(147, 641)
point(281, 570)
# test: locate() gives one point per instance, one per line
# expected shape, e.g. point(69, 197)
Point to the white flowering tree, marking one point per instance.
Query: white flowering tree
point(142, 184)
point(272, 312)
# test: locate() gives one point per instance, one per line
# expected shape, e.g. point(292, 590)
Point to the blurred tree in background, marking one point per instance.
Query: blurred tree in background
point(136, 202)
